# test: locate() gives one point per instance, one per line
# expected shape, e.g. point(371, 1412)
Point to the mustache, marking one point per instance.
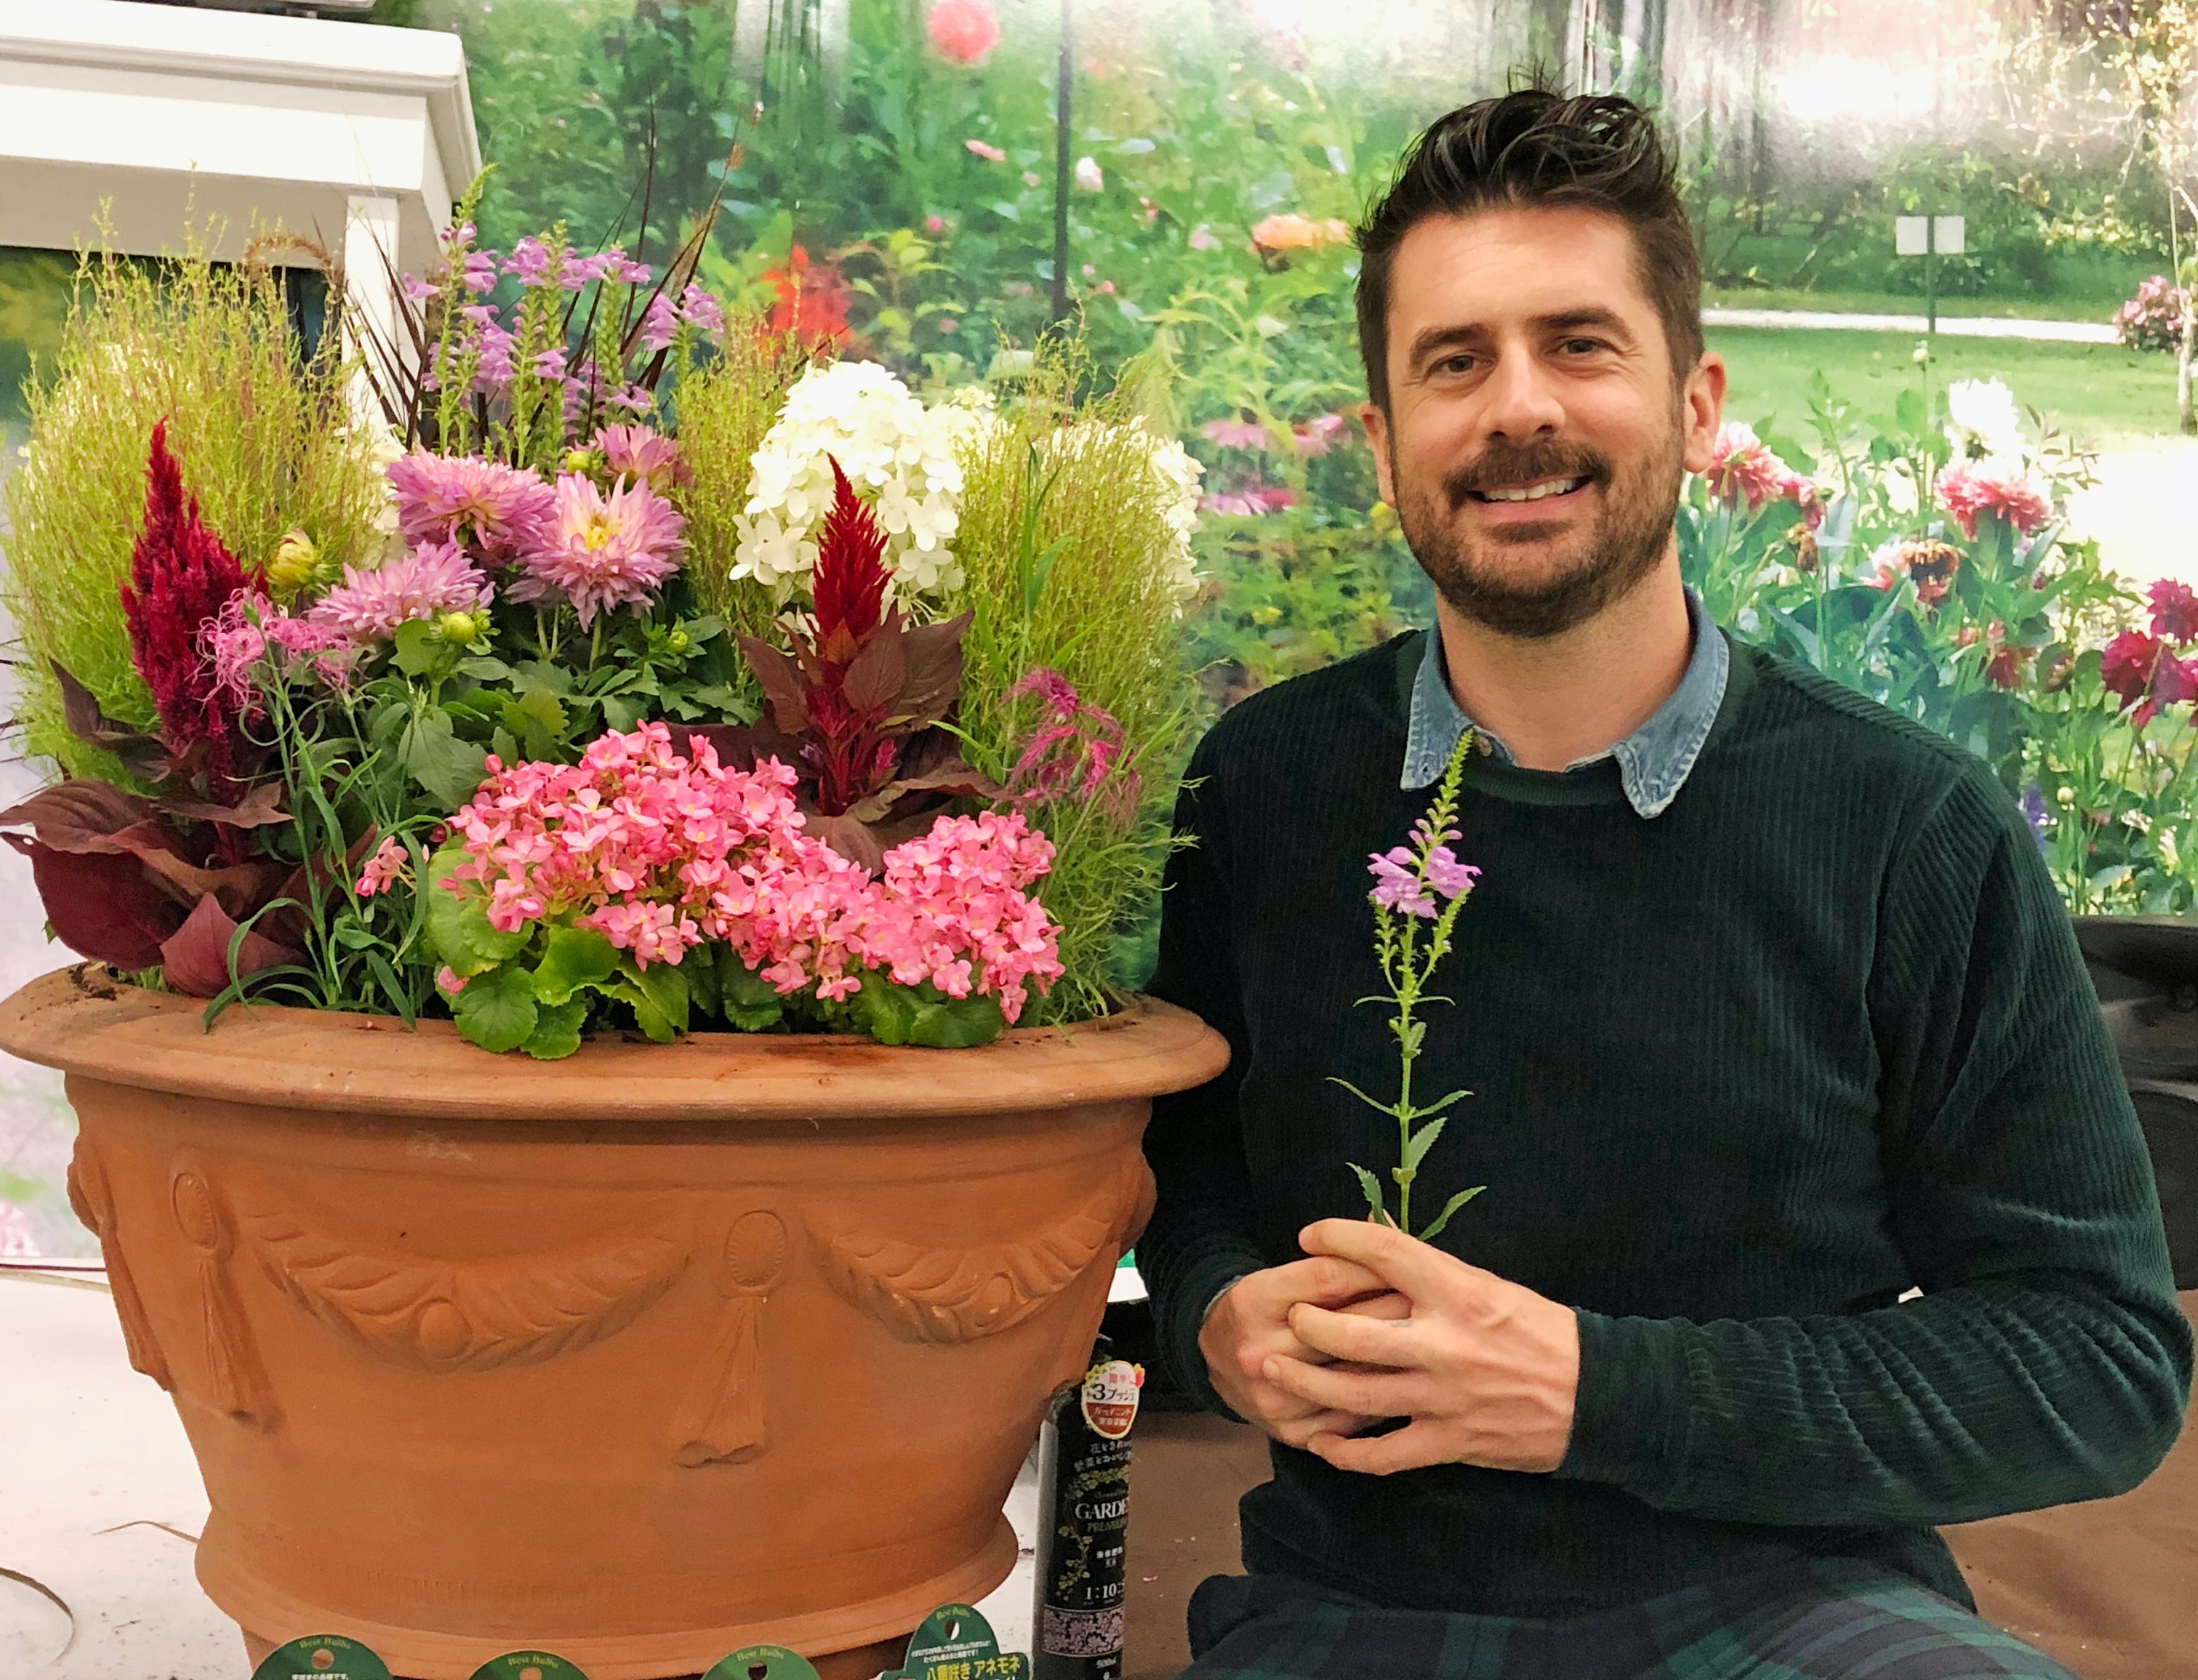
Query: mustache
point(1501, 464)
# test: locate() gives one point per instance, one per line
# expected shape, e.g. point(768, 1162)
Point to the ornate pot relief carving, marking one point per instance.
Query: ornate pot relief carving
point(447, 1315)
point(95, 1205)
point(721, 1419)
point(237, 1380)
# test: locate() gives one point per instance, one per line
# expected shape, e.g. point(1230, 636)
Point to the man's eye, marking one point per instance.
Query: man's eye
point(1582, 347)
point(1455, 364)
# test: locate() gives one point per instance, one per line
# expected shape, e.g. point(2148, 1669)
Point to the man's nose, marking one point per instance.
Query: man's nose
point(1522, 400)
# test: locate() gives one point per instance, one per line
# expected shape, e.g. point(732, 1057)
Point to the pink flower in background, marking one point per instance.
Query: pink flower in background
point(18, 1241)
point(701, 310)
point(1314, 438)
point(390, 864)
point(434, 579)
point(644, 455)
point(1288, 231)
point(495, 509)
point(1246, 434)
point(989, 153)
point(2174, 612)
point(1250, 501)
point(964, 32)
point(601, 552)
point(1743, 468)
point(659, 323)
point(1973, 487)
point(1202, 239)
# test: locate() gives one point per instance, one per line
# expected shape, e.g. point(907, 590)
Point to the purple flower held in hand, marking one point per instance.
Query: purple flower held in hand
point(1397, 884)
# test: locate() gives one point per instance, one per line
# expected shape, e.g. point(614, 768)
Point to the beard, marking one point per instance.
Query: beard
point(1624, 546)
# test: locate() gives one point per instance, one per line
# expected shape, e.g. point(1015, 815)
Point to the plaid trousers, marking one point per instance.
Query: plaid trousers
point(1824, 1619)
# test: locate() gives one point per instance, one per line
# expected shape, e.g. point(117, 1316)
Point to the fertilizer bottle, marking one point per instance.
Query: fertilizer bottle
point(1083, 1520)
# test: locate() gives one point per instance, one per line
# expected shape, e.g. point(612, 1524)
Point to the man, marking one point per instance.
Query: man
point(1770, 1016)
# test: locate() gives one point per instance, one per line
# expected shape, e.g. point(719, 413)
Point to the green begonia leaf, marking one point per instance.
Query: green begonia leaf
point(957, 1024)
point(556, 1033)
point(573, 958)
point(457, 922)
point(497, 1010)
point(749, 1002)
point(658, 995)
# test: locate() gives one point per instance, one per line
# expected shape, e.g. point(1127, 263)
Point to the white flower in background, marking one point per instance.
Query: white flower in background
point(1089, 175)
point(901, 456)
point(1982, 421)
point(1898, 480)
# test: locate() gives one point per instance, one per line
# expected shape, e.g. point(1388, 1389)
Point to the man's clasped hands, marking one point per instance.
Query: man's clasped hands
point(1376, 1325)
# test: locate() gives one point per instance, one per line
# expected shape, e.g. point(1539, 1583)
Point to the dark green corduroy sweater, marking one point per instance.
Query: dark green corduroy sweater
point(1744, 1073)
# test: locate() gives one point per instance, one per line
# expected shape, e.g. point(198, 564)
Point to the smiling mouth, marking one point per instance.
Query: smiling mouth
point(1528, 492)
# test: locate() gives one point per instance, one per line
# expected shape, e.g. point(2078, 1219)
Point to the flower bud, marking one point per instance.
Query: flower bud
point(296, 562)
point(580, 461)
point(678, 642)
point(461, 628)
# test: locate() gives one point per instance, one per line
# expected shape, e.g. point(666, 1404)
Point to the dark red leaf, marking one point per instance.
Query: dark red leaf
point(261, 806)
point(100, 904)
point(875, 675)
point(781, 683)
point(194, 959)
point(932, 679)
point(87, 720)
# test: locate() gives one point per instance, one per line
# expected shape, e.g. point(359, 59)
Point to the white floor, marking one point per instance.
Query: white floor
point(99, 1501)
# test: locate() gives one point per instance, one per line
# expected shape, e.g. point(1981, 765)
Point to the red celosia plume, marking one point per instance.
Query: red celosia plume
point(851, 578)
point(181, 576)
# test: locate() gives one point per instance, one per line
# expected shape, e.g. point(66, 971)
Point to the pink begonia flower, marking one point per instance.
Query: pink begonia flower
point(964, 32)
point(385, 868)
point(644, 455)
point(449, 982)
point(989, 153)
point(1973, 487)
point(1246, 434)
point(602, 552)
point(433, 579)
point(493, 509)
point(2174, 612)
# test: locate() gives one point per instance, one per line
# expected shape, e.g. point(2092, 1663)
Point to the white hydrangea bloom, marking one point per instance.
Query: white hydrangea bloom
point(904, 458)
point(1982, 420)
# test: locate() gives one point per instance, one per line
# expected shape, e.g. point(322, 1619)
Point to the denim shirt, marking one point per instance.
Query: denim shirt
point(1653, 762)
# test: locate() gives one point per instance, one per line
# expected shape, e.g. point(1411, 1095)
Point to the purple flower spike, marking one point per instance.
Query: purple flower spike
point(1396, 882)
point(660, 324)
point(1447, 876)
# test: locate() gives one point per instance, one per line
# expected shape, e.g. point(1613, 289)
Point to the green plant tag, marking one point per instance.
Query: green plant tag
point(527, 1665)
point(956, 1642)
point(763, 1662)
point(321, 1656)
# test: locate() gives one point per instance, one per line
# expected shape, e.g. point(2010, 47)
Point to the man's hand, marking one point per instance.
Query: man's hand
point(1251, 1324)
point(1486, 1370)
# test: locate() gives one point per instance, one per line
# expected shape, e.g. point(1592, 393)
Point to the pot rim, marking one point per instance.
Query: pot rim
point(84, 1022)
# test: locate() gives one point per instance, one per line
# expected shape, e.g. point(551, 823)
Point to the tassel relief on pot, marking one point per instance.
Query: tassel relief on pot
point(94, 1203)
point(721, 1419)
point(237, 1381)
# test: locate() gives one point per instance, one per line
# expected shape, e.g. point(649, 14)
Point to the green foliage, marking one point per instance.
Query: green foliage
point(264, 433)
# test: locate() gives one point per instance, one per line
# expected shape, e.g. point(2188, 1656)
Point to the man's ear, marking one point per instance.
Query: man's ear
point(1701, 408)
point(1377, 440)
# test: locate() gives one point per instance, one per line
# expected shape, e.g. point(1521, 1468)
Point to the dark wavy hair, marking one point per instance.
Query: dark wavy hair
point(1531, 148)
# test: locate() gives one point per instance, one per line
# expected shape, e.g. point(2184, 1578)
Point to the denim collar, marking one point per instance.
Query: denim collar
point(1653, 762)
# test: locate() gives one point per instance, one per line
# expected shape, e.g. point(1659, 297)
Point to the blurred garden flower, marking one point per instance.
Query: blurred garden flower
point(659, 322)
point(601, 552)
point(2003, 487)
point(2174, 612)
point(1202, 239)
point(964, 32)
point(813, 298)
point(434, 579)
point(1314, 438)
point(1089, 175)
point(1250, 501)
point(989, 153)
point(701, 310)
point(1288, 231)
point(2153, 319)
point(1929, 564)
point(1982, 421)
point(1245, 434)
point(489, 507)
point(2144, 672)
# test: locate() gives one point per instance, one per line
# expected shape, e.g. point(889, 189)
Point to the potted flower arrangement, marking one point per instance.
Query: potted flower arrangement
point(604, 1091)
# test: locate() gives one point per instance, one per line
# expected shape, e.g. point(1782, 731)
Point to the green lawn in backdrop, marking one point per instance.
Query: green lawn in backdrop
point(2107, 397)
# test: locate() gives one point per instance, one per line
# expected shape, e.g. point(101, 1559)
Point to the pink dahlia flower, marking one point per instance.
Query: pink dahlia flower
point(644, 455)
point(1973, 487)
point(2174, 612)
point(964, 32)
point(491, 507)
point(2139, 668)
point(601, 552)
point(1743, 468)
point(434, 579)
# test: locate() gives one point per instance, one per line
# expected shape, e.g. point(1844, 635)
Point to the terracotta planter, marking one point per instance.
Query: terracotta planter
point(640, 1357)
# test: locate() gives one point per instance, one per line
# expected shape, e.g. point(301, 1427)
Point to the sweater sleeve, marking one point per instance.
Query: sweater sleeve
point(1200, 1237)
point(2047, 1360)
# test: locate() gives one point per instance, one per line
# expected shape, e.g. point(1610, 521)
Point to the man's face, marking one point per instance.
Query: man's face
point(1535, 436)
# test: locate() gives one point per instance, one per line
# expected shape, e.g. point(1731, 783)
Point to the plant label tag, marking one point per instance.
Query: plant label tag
point(763, 1662)
point(956, 1642)
point(528, 1665)
point(1110, 1397)
point(321, 1656)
